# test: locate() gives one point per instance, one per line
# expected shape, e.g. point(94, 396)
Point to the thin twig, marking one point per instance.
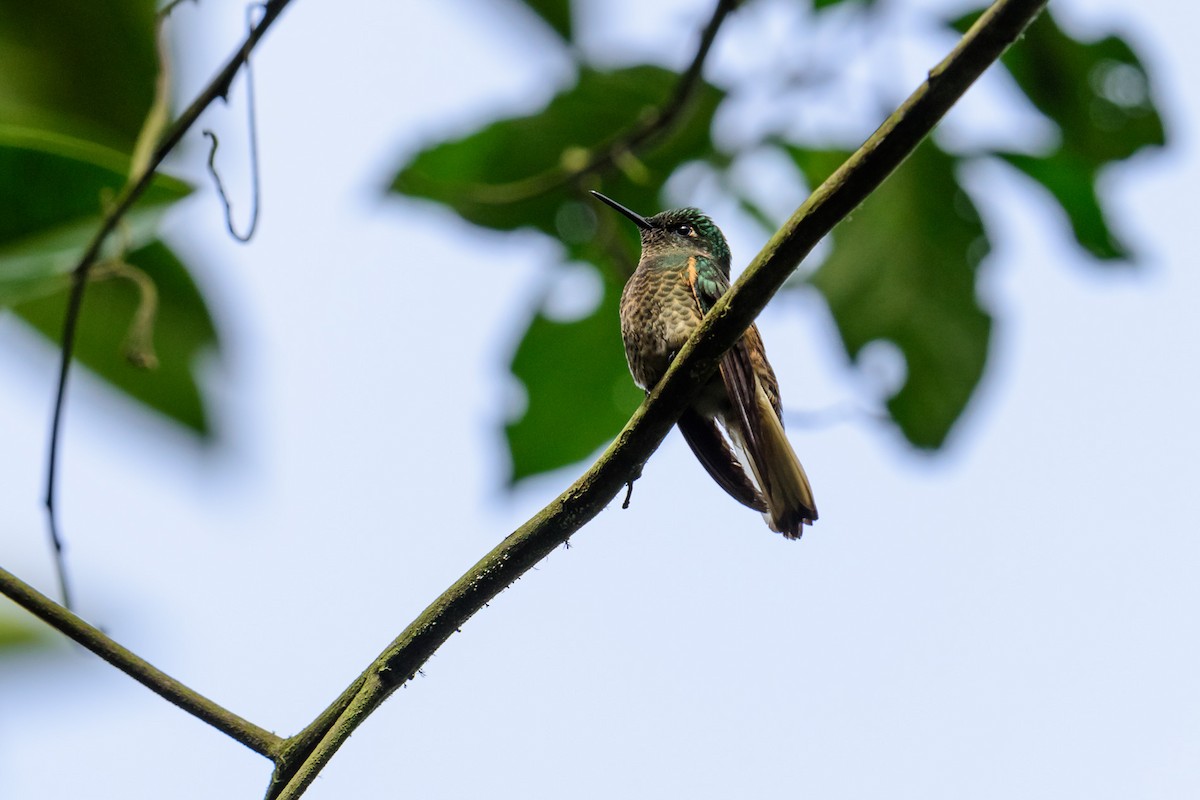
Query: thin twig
point(252, 128)
point(257, 739)
point(622, 147)
point(56, 540)
point(218, 87)
point(309, 751)
point(220, 186)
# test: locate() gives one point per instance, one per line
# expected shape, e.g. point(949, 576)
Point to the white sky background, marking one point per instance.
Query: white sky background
point(1011, 618)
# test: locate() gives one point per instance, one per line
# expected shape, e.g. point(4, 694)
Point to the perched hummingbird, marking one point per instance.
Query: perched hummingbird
point(683, 270)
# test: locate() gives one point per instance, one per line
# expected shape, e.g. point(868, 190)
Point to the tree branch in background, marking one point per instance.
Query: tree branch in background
point(257, 739)
point(300, 758)
point(133, 190)
point(305, 754)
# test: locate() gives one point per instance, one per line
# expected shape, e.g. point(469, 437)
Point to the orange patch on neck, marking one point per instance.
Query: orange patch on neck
point(691, 270)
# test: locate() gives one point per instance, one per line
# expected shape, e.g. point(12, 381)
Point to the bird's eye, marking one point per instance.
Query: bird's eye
point(683, 229)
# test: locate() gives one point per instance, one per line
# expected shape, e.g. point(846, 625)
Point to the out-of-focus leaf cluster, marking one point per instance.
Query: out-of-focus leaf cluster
point(522, 173)
point(76, 83)
point(1099, 96)
point(902, 269)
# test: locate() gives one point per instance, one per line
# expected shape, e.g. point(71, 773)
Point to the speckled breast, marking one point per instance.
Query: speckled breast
point(658, 313)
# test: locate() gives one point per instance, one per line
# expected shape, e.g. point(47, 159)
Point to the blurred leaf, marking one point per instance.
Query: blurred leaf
point(578, 388)
point(508, 175)
point(903, 270)
point(1073, 185)
point(182, 331)
point(1098, 93)
point(19, 635)
point(757, 213)
point(820, 5)
point(51, 205)
point(555, 13)
point(76, 80)
point(83, 69)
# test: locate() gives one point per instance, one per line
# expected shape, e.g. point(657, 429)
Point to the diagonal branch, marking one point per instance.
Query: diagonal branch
point(307, 753)
point(134, 188)
point(257, 739)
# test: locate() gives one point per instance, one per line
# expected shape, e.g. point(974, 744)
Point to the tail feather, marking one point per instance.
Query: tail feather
point(790, 504)
point(756, 426)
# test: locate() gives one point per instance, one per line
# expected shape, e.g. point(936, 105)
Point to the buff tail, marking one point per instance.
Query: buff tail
point(785, 487)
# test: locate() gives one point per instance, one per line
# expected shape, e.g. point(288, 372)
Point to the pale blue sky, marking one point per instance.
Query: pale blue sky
point(1011, 618)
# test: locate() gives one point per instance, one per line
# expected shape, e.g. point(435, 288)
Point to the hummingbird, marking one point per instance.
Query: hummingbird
point(682, 272)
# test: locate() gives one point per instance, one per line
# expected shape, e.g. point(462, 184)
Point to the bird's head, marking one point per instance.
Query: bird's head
point(686, 229)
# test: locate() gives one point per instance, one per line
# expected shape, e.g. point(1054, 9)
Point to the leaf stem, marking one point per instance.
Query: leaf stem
point(656, 123)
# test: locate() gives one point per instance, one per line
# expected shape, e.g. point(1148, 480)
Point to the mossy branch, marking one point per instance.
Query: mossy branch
point(92, 638)
point(300, 758)
point(305, 754)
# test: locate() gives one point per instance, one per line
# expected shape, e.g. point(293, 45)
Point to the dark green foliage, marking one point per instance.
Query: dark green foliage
point(903, 269)
point(516, 173)
point(1072, 182)
point(76, 81)
point(555, 13)
point(578, 388)
point(182, 332)
point(52, 202)
point(1097, 93)
point(83, 69)
point(49, 210)
point(819, 5)
point(1099, 96)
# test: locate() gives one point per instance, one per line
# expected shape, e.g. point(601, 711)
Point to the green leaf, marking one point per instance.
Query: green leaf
point(76, 80)
point(183, 330)
point(51, 204)
point(903, 269)
point(82, 69)
point(510, 174)
point(578, 387)
point(1073, 184)
point(555, 13)
point(1099, 93)
point(821, 5)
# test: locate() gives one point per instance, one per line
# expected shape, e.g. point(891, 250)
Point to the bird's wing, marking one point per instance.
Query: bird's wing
point(704, 435)
point(712, 450)
point(754, 396)
point(737, 365)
